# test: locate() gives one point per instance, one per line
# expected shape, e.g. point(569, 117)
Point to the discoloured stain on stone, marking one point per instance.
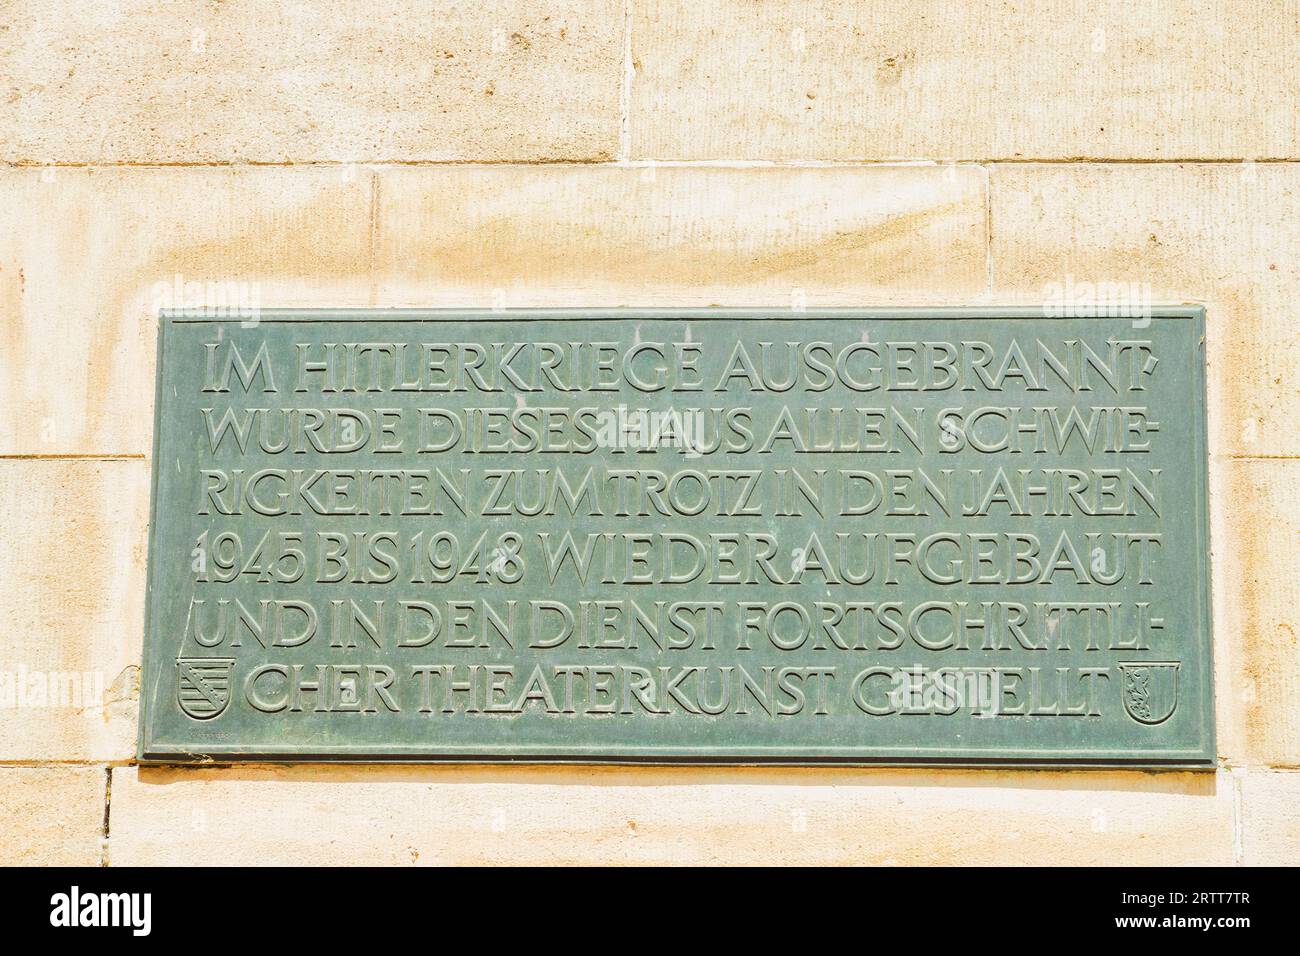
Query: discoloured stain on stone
point(1258, 563)
point(682, 236)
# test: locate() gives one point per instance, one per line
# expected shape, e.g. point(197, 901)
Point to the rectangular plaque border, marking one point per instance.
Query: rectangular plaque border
point(149, 751)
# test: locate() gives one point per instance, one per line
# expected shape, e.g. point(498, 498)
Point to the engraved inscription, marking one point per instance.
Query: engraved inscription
point(852, 536)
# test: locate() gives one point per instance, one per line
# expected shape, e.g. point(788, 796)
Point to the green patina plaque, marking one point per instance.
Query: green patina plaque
point(859, 536)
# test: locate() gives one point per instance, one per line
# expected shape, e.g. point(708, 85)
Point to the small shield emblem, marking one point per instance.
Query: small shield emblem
point(203, 685)
point(1150, 690)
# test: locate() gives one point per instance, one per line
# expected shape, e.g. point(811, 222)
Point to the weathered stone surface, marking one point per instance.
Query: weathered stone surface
point(1270, 813)
point(1065, 79)
point(159, 81)
point(1222, 234)
point(521, 236)
point(1256, 562)
point(53, 816)
point(534, 815)
point(72, 559)
point(88, 256)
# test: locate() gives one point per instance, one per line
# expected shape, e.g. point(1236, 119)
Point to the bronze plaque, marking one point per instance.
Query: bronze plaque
point(860, 536)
